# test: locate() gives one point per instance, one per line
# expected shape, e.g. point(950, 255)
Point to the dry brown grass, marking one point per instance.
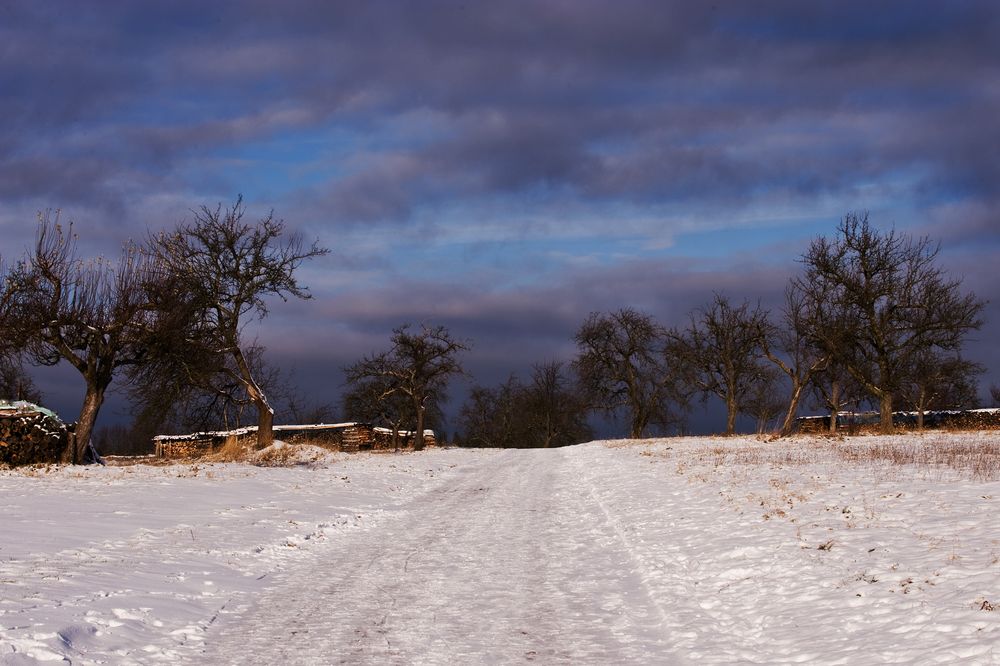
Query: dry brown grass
point(973, 455)
point(978, 459)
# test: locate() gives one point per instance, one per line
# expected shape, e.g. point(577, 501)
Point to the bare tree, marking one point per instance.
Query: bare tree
point(91, 314)
point(623, 364)
point(218, 271)
point(493, 417)
point(995, 394)
point(417, 366)
point(723, 348)
point(555, 409)
point(938, 381)
point(898, 301)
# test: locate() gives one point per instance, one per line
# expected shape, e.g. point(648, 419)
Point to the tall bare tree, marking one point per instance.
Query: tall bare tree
point(91, 314)
point(723, 347)
point(896, 299)
point(219, 271)
point(623, 365)
point(417, 366)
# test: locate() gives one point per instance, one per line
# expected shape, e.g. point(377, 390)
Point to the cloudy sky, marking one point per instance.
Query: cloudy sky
point(505, 168)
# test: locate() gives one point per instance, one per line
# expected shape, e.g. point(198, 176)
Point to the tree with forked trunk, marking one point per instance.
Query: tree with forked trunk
point(216, 272)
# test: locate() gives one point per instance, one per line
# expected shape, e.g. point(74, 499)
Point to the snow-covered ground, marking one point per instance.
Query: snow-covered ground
point(669, 551)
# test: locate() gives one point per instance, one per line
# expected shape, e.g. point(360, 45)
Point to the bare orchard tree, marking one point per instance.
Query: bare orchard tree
point(898, 301)
point(766, 400)
point(91, 314)
point(417, 366)
point(939, 381)
point(622, 364)
point(723, 349)
point(218, 272)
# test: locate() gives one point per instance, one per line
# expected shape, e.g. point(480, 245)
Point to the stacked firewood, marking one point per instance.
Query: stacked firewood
point(30, 435)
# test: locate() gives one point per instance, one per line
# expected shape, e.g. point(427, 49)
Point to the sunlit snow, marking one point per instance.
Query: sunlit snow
point(664, 551)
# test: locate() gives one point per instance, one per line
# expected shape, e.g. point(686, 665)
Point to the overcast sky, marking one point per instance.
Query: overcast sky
point(505, 168)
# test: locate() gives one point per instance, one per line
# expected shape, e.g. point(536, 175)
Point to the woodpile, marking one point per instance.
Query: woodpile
point(30, 434)
point(347, 437)
point(857, 423)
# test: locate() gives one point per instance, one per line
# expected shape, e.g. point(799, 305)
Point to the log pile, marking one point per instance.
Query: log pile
point(347, 437)
point(30, 434)
point(857, 423)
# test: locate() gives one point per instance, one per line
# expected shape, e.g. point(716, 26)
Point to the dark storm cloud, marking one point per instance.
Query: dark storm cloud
point(639, 101)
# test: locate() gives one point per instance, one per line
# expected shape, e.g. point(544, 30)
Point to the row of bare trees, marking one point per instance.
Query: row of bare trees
point(872, 317)
point(548, 411)
point(168, 316)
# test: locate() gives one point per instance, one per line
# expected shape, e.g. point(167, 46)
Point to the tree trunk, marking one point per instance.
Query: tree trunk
point(793, 407)
point(418, 436)
point(92, 402)
point(834, 406)
point(635, 432)
point(920, 410)
point(885, 412)
point(730, 415)
point(265, 414)
point(265, 424)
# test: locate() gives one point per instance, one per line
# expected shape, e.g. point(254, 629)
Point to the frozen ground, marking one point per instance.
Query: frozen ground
point(671, 551)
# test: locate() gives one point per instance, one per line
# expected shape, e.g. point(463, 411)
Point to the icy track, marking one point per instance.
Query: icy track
point(676, 551)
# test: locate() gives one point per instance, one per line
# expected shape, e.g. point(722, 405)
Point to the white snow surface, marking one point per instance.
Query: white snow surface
point(671, 551)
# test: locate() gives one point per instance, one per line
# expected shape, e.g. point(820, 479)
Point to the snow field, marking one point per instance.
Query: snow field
point(132, 565)
point(685, 550)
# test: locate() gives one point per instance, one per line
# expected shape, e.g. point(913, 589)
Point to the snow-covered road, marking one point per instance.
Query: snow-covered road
point(512, 559)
